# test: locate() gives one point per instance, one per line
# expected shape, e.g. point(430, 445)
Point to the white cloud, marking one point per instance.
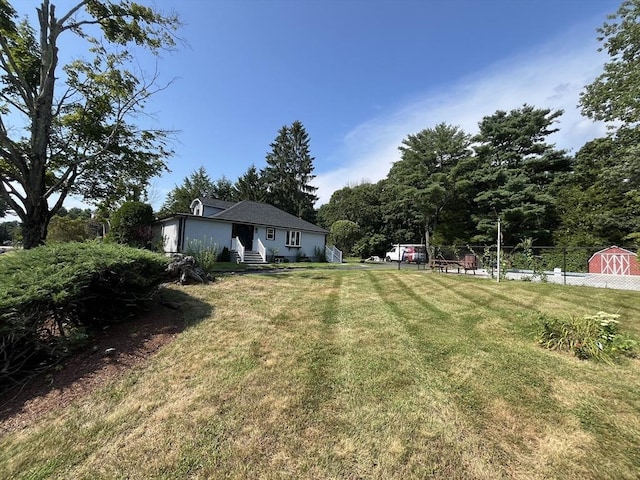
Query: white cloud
point(551, 76)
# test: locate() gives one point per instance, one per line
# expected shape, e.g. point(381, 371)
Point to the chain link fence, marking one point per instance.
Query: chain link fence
point(602, 267)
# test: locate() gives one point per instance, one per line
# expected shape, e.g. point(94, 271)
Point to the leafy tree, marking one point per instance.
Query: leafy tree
point(74, 213)
point(421, 185)
point(615, 94)
point(67, 229)
point(344, 234)
point(514, 173)
point(599, 203)
point(197, 185)
point(250, 186)
point(79, 139)
point(289, 172)
point(131, 224)
point(9, 231)
point(360, 204)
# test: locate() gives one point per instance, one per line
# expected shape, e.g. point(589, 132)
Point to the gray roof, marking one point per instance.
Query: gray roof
point(214, 202)
point(256, 213)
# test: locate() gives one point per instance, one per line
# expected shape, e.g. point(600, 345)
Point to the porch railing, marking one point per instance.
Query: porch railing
point(262, 251)
point(333, 254)
point(236, 245)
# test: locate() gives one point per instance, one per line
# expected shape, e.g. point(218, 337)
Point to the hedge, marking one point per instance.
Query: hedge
point(52, 297)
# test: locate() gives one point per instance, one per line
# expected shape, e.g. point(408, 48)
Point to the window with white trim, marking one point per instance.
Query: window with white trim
point(271, 233)
point(293, 238)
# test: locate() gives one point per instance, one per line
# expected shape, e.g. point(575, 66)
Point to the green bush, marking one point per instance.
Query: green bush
point(131, 225)
point(225, 255)
point(51, 297)
point(588, 337)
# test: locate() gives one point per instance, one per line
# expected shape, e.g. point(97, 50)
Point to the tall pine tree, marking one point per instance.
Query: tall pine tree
point(515, 173)
point(289, 172)
point(250, 185)
point(197, 185)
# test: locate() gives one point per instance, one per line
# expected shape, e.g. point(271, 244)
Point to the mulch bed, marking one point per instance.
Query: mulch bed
point(133, 342)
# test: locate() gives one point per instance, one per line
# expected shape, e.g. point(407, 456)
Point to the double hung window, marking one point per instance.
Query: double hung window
point(293, 238)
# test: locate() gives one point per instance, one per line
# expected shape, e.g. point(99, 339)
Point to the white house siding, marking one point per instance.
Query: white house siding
point(309, 242)
point(167, 233)
point(207, 231)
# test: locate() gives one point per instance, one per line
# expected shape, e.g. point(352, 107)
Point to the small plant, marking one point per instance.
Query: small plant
point(273, 252)
point(589, 337)
point(205, 252)
point(320, 254)
point(529, 261)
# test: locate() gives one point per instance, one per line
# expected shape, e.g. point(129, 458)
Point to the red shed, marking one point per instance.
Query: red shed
point(614, 261)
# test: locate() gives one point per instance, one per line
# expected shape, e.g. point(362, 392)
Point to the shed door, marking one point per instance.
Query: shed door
point(615, 264)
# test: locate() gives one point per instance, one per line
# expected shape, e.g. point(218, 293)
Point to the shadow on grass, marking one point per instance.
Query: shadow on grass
point(108, 354)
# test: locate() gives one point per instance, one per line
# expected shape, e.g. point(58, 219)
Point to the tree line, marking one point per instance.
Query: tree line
point(450, 188)
point(285, 181)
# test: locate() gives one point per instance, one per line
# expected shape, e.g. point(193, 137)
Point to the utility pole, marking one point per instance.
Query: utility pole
point(499, 241)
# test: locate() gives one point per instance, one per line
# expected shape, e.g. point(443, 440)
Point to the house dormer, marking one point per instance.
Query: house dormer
point(207, 207)
point(197, 208)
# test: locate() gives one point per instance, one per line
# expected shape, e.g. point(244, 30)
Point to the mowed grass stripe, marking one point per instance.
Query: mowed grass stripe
point(400, 421)
point(352, 374)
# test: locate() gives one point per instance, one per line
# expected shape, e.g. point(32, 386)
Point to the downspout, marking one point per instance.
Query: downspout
point(181, 229)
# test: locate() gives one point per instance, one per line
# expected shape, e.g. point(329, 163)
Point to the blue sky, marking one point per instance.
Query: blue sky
point(361, 75)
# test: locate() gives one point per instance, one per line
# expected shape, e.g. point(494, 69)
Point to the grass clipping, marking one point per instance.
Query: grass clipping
point(591, 337)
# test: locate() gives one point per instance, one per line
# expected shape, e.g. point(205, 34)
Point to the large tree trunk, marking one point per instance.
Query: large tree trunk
point(35, 224)
point(37, 215)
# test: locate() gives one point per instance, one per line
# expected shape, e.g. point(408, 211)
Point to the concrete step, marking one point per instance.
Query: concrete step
point(249, 257)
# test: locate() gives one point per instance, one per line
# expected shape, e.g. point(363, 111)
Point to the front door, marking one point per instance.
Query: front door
point(244, 233)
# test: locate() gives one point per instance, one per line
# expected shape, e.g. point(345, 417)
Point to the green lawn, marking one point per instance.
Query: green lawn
point(348, 374)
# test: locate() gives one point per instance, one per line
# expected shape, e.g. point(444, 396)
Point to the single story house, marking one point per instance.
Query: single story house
point(614, 261)
point(253, 232)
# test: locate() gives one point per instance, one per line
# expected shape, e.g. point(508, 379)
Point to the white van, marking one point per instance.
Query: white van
point(397, 254)
point(406, 253)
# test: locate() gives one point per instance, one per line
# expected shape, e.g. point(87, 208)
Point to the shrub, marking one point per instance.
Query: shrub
point(131, 225)
point(225, 255)
point(588, 337)
point(66, 229)
point(51, 297)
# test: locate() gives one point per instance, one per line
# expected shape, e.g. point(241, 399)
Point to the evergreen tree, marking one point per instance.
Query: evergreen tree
point(197, 185)
point(250, 186)
point(421, 185)
point(515, 171)
point(223, 189)
point(289, 172)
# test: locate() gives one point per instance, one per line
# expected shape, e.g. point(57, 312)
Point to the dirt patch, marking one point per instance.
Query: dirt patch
point(133, 342)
